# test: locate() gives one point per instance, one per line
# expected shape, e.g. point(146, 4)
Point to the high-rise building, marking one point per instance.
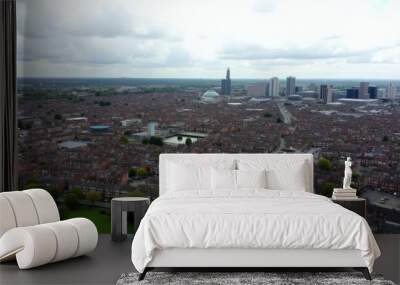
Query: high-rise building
point(381, 93)
point(352, 93)
point(226, 83)
point(151, 129)
point(363, 92)
point(257, 90)
point(391, 90)
point(373, 92)
point(325, 94)
point(273, 87)
point(290, 85)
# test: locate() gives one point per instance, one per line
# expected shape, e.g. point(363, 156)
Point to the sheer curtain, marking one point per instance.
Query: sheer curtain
point(8, 101)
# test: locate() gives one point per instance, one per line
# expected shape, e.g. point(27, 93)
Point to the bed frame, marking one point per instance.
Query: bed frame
point(246, 258)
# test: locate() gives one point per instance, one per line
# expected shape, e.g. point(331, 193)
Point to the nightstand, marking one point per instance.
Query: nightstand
point(357, 205)
point(119, 210)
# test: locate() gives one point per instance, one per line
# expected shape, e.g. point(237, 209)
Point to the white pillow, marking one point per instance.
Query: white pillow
point(251, 178)
point(283, 174)
point(186, 178)
point(193, 174)
point(223, 179)
point(295, 180)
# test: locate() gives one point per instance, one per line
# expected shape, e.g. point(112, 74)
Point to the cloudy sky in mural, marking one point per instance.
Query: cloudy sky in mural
point(199, 39)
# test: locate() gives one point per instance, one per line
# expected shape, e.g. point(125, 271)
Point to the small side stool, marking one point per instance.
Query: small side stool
point(119, 209)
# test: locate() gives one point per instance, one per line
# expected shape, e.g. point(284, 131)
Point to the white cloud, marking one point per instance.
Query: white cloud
point(189, 38)
point(265, 6)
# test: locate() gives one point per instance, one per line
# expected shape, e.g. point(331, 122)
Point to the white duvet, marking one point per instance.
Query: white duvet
point(250, 219)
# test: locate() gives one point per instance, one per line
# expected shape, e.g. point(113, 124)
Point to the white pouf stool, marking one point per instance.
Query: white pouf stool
point(31, 230)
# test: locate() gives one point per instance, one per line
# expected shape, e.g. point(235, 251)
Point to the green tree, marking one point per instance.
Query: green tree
point(327, 188)
point(127, 133)
point(33, 183)
point(156, 141)
point(55, 193)
point(71, 201)
point(132, 172)
point(355, 178)
point(188, 142)
point(145, 141)
point(142, 172)
point(147, 168)
point(124, 140)
point(78, 192)
point(279, 121)
point(324, 164)
point(93, 196)
point(267, 115)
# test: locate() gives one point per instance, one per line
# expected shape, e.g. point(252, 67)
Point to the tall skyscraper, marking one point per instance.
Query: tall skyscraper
point(273, 87)
point(226, 83)
point(325, 94)
point(290, 85)
point(373, 92)
point(391, 90)
point(363, 92)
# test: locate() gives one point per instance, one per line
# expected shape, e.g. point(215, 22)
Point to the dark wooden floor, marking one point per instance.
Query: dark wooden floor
point(110, 260)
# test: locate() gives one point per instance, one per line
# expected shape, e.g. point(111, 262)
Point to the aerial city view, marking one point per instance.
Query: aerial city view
point(105, 135)
point(104, 87)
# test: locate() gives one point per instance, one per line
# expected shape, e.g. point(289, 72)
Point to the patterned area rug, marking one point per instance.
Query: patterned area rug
point(273, 278)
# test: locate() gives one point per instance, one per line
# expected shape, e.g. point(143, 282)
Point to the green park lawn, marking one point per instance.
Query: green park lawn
point(99, 216)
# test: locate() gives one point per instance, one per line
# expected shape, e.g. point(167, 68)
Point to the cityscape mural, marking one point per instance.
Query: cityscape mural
point(104, 89)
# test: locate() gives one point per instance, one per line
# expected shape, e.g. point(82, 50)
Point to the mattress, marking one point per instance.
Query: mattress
point(251, 219)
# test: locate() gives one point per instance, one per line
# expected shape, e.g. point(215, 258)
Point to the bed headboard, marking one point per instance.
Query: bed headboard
point(210, 157)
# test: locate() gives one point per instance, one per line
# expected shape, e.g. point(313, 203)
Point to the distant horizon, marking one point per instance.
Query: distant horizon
point(211, 78)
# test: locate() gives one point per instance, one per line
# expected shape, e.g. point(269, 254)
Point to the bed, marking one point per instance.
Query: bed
point(246, 211)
